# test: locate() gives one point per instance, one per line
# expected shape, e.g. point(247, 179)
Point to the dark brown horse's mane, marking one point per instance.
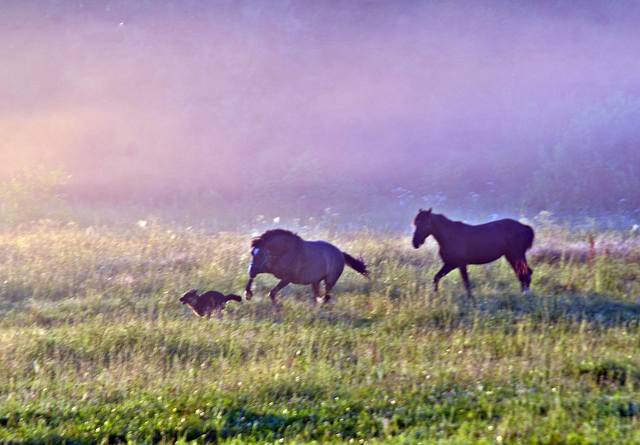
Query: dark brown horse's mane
point(266, 236)
point(439, 217)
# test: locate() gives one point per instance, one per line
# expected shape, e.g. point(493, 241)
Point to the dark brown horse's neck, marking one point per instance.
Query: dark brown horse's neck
point(441, 227)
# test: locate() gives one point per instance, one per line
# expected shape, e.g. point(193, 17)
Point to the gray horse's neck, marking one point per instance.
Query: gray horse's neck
point(289, 262)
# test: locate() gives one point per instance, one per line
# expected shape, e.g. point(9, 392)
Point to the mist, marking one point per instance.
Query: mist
point(466, 106)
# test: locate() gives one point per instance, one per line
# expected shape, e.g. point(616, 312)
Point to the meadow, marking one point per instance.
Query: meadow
point(95, 347)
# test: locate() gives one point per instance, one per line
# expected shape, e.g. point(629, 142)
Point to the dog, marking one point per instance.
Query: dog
point(207, 303)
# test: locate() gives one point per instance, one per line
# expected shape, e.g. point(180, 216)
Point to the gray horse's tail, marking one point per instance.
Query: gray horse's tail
point(355, 264)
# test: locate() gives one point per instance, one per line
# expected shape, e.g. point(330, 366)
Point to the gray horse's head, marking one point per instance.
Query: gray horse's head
point(423, 227)
point(260, 258)
point(270, 247)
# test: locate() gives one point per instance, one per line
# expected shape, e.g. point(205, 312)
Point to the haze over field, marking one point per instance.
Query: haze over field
point(520, 105)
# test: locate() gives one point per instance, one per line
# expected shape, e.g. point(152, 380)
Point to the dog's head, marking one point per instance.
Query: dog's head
point(190, 297)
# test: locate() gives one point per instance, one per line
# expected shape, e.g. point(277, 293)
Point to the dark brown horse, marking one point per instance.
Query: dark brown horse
point(463, 244)
point(294, 260)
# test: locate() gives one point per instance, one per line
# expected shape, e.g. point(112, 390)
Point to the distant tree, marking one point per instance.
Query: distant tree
point(596, 162)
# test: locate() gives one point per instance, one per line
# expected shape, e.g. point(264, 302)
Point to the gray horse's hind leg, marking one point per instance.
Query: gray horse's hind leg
point(332, 278)
point(274, 292)
point(327, 289)
point(328, 285)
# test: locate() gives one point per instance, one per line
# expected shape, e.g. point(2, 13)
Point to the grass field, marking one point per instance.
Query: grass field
point(95, 348)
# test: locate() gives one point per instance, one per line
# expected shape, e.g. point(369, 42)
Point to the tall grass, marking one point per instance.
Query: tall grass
point(94, 346)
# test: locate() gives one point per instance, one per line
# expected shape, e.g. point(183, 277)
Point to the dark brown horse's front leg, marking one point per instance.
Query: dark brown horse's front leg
point(248, 294)
point(274, 292)
point(441, 273)
point(465, 280)
point(316, 292)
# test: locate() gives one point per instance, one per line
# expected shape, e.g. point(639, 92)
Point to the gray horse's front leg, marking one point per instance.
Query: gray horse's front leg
point(274, 292)
point(248, 294)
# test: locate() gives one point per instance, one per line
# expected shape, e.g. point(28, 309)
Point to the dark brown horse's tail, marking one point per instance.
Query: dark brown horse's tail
point(355, 264)
point(528, 237)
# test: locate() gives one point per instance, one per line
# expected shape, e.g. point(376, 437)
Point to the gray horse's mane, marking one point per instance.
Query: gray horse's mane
point(266, 236)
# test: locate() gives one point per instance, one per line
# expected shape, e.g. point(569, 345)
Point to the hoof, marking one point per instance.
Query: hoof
point(321, 301)
point(526, 292)
point(248, 295)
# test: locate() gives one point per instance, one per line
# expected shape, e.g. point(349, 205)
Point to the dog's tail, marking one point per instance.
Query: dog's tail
point(356, 264)
point(234, 297)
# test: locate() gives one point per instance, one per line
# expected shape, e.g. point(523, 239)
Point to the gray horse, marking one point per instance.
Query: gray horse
point(293, 260)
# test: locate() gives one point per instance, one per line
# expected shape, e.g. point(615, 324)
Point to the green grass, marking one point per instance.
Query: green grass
point(95, 348)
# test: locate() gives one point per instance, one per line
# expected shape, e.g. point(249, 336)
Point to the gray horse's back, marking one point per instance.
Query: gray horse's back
point(322, 260)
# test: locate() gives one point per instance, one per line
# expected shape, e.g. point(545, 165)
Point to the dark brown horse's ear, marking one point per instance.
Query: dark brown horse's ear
point(430, 208)
point(420, 210)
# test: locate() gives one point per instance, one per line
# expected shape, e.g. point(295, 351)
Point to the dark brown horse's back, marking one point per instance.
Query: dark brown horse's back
point(482, 243)
point(520, 235)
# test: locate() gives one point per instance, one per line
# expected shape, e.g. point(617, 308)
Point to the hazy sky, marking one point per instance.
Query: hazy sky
point(154, 95)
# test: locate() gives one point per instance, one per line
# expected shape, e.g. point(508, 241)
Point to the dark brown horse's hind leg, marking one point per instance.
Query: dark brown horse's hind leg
point(465, 280)
point(441, 273)
point(525, 275)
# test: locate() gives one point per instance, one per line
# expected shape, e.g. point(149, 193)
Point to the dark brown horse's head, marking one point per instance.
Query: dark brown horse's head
point(269, 247)
point(190, 297)
point(423, 227)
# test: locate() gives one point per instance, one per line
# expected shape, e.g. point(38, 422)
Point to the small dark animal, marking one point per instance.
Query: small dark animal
point(293, 260)
point(207, 303)
point(463, 244)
